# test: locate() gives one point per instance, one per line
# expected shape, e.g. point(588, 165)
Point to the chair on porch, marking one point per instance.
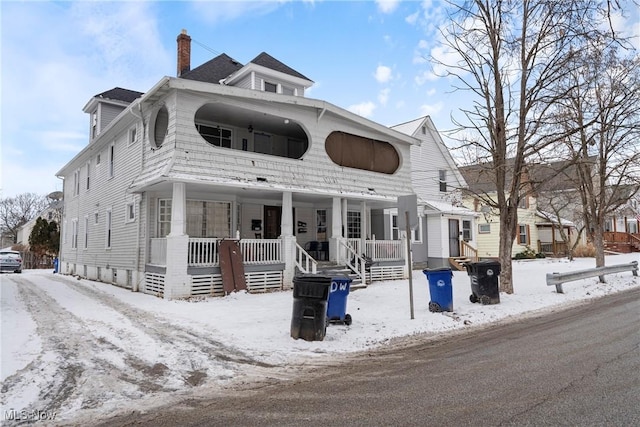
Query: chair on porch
point(313, 248)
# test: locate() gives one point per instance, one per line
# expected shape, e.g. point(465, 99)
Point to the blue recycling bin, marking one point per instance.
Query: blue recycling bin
point(56, 264)
point(337, 304)
point(440, 289)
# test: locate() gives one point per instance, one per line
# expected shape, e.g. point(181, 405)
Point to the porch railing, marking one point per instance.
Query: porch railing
point(379, 250)
point(203, 252)
point(261, 251)
point(304, 261)
point(355, 262)
point(468, 251)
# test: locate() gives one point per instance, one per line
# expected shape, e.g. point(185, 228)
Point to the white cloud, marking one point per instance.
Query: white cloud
point(383, 74)
point(364, 109)
point(383, 96)
point(412, 19)
point(431, 109)
point(431, 92)
point(387, 6)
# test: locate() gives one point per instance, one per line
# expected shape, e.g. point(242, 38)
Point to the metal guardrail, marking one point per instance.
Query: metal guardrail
point(557, 279)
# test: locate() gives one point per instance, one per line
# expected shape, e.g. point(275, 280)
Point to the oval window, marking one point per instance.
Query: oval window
point(353, 151)
point(160, 124)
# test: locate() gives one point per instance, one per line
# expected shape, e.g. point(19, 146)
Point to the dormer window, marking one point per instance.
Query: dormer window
point(270, 87)
point(286, 90)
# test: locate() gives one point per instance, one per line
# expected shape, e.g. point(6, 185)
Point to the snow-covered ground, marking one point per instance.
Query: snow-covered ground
point(88, 349)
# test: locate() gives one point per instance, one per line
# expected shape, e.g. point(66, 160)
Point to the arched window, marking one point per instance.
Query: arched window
point(159, 126)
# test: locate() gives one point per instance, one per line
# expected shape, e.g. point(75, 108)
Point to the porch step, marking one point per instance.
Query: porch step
point(459, 262)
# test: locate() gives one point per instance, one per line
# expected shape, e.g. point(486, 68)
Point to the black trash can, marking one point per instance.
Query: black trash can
point(484, 281)
point(310, 296)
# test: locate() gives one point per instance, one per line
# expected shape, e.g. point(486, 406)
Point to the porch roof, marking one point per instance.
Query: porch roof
point(432, 206)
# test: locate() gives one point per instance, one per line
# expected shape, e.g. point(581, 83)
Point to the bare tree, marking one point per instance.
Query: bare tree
point(511, 55)
point(17, 211)
point(603, 104)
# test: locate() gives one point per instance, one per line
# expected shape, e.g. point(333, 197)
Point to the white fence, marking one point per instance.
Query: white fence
point(379, 250)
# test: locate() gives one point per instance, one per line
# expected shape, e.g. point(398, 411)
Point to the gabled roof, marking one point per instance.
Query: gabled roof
point(409, 128)
point(555, 176)
point(268, 61)
point(214, 70)
point(120, 94)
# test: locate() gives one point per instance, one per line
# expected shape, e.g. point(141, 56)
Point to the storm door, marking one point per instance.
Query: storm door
point(454, 236)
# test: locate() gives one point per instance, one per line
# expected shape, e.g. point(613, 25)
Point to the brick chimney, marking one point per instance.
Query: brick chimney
point(184, 53)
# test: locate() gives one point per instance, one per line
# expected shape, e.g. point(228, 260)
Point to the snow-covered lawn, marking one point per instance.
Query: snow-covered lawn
point(88, 349)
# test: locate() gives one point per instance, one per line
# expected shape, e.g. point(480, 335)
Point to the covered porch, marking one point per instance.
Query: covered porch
point(280, 234)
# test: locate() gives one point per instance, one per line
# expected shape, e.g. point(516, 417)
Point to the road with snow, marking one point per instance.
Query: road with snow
point(574, 367)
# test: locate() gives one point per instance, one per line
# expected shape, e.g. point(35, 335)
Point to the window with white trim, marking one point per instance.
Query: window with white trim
point(108, 228)
point(416, 233)
point(96, 217)
point(466, 230)
point(216, 135)
point(76, 182)
point(74, 233)
point(133, 135)
point(523, 234)
point(164, 217)
point(86, 231)
point(208, 219)
point(130, 214)
point(86, 185)
point(112, 160)
point(94, 124)
point(353, 225)
point(442, 180)
point(270, 87)
point(484, 228)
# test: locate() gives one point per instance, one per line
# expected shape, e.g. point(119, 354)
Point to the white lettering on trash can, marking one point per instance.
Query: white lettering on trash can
point(335, 286)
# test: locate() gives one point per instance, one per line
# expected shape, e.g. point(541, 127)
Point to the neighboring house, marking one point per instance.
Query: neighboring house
point(229, 151)
point(53, 212)
point(447, 228)
point(622, 229)
point(537, 229)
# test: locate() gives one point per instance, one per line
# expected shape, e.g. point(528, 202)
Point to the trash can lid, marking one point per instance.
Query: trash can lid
point(431, 270)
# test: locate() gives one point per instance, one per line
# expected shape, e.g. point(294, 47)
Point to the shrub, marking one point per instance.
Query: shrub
point(528, 253)
point(584, 251)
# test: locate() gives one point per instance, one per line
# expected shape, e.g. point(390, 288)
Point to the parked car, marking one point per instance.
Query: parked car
point(11, 261)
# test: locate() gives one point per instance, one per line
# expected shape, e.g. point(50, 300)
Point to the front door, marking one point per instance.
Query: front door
point(454, 236)
point(272, 218)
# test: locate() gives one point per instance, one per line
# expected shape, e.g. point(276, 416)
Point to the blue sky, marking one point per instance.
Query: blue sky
point(364, 56)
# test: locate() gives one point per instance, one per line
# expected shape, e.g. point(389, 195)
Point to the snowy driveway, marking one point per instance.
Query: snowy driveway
point(73, 347)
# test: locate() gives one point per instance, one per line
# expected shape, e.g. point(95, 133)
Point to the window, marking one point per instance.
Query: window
point(220, 137)
point(74, 233)
point(466, 230)
point(130, 215)
point(132, 135)
point(64, 231)
point(86, 231)
point(523, 202)
point(208, 219)
point(424, 130)
point(353, 225)
point(164, 217)
point(86, 185)
point(321, 224)
point(416, 233)
point(359, 152)
point(94, 124)
point(112, 160)
point(523, 234)
point(159, 127)
point(270, 87)
point(108, 229)
point(76, 182)
point(95, 217)
point(97, 159)
point(442, 179)
point(484, 228)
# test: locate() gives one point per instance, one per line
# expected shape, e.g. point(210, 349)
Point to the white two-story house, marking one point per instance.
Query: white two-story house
point(230, 151)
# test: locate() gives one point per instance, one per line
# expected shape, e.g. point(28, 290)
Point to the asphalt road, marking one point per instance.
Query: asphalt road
point(573, 367)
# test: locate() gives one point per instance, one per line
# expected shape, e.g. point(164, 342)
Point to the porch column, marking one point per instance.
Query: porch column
point(363, 227)
point(288, 239)
point(177, 282)
point(336, 229)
